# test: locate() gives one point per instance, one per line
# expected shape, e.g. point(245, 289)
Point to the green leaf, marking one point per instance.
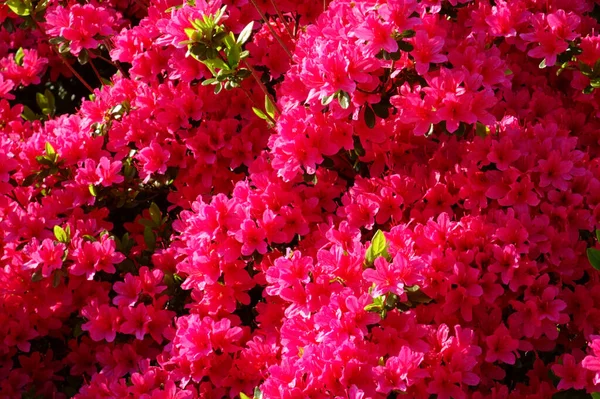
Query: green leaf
point(369, 117)
point(155, 214)
point(83, 57)
point(37, 276)
point(50, 151)
point(28, 114)
point(543, 64)
point(595, 83)
point(64, 48)
point(405, 46)
point(51, 102)
point(77, 331)
point(41, 100)
point(220, 14)
point(233, 56)
point(595, 395)
point(244, 396)
point(481, 130)
point(588, 90)
point(381, 109)
point(19, 55)
point(508, 72)
point(408, 34)
point(598, 235)
point(60, 234)
point(211, 81)
point(245, 34)
point(149, 239)
point(260, 114)
point(56, 279)
point(269, 107)
point(214, 63)
point(327, 99)
point(593, 255)
point(257, 393)
point(93, 191)
point(418, 296)
point(378, 247)
point(19, 7)
point(191, 33)
point(343, 99)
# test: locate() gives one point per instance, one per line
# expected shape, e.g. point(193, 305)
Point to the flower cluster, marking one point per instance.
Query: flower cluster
point(299, 199)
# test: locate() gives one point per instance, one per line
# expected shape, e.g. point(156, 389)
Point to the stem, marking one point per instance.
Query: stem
point(275, 35)
point(262, 86)
point(283, 21)
point(96, 72)
point(77, 75)
point(116, 65)
point(257, 106)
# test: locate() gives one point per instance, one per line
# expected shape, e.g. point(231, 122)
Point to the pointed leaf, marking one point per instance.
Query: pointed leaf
point(369, 117)
point(19, 55)
point(60, 234)
point(593, 255)
point(155, 214)
point(245, 33)
point(18, 7)
point(259, 113)
point(269, 107)
point(344, 99)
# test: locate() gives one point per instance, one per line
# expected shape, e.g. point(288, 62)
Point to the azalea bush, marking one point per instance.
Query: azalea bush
point(299, 199)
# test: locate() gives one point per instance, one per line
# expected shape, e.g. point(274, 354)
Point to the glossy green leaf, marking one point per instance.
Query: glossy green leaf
point(344, 99)
point(60, 234)
point(19, 7)
point(377, 248)
point(19, 55)
point(245, 33)
point(593, 255)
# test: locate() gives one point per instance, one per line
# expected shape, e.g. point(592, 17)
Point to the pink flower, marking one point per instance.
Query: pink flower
point(501, 346)
point(377, 34)
point(136, 320)
point(153, 159)
point(555, 171)
point(400, 372)
point(456, 109)
point(108, 172)
point(6, 86)
point(427, 50)
point(571, 374)
point(102, 321)
point(252, 238)
point(393, 277)
point(49, 255)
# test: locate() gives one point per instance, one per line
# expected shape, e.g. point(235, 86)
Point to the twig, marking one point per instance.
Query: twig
point(262, 86)
point(116, 65)
point(96, 71)
point(77, 75)
point(257, 106)
point(283, 21)
point(275, 35)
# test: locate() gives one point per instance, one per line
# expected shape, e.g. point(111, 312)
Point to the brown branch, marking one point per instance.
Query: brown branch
point(275, 35)
point(262, 86)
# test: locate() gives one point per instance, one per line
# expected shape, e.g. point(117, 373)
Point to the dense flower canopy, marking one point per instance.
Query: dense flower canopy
point(299, 199)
